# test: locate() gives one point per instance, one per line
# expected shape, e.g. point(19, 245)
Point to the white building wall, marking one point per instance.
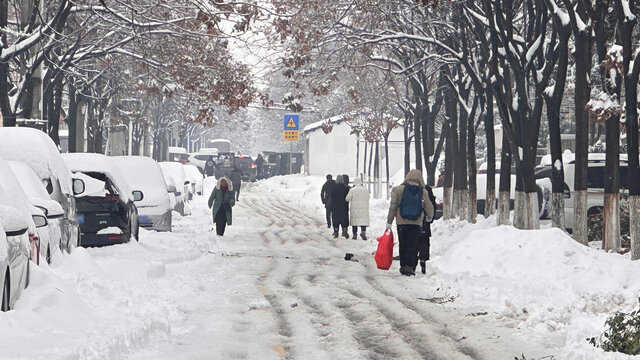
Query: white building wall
point(335, 153)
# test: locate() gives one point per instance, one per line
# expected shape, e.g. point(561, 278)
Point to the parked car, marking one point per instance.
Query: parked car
point(143, 173)
point(39, 152)
point(177, 182)
point(106, 211)
point(14, 255)
point(51, 235)
point(195, 178)
point(204, 159)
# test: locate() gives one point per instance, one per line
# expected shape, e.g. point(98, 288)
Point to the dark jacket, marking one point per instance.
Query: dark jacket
point(339, 206)
point(219, 201)
point(325, 194)
point(236, 178)
point(426, 225)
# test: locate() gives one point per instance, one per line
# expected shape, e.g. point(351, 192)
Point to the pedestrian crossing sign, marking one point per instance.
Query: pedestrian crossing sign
point(292, 122)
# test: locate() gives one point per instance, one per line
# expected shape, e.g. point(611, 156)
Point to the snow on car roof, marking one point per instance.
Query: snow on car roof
point(177, 150)
point(192, 172)
point(175, 170)
point(85, 162)
point(14, 196)
point(36, 149)
point(144, 174)
point(29, 181)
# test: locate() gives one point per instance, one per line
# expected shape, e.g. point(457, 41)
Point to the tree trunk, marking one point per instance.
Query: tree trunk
point(364, 162)
point(407, 146)
point(376, 172)
point(611, 240)
point(386, 162)
point(490, 198)
point(504, 195)
point(582, 96)
point(472, 209)
point(417, 134)
point(450, 154)
point(461, 189)
point(72, 118)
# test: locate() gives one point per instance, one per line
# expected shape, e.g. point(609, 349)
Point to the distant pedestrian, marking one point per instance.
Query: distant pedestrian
point(340, 207)
point(358, 199)
point(425, 235)
point(236, 180)
point(209, 166)
point(325, 196)
point(259, 166)
point(409, 205)
point(221, 201)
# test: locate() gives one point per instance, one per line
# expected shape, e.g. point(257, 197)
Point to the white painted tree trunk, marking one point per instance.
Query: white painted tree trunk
point(460, 204)
point(580, 231)
point(472, 210)
point(634, 224)
point(490, 203)
point(611, 236)
point(520, 211)
point(557, 211)
point(503, 208)
point(447, 204)
point(532, 213)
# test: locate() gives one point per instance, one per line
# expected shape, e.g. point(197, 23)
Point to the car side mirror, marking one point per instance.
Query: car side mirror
point(171, 188)
point(78, 186)
point(48, 185)
point(137, 195)
point(186, 183)
point(40, 220)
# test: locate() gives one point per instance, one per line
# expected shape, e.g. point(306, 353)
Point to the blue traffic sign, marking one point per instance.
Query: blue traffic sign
point(292, 122)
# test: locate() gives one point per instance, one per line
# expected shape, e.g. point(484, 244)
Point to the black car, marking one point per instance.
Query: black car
point(106, 212)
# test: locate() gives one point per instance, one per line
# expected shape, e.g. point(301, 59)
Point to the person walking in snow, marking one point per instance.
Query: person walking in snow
point(339, 206)
point(425, 234)
point(358, 199)
point(409, 205)
point(221, 201)
point(325, 196)
point(236, 181)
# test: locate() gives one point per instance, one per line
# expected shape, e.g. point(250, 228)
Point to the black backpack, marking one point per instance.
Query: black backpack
point(411, 202)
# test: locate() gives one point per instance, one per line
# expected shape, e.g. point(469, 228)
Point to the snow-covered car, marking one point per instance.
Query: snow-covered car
point(39, 233)
point(39, 152)
point(106, 211)
point(195, 178)
point(177, 183)
point(50, 240)
point(200, 159)
point(143, 173)
point(14, 255)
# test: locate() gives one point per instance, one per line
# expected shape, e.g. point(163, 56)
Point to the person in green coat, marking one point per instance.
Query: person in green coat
point(221, 201)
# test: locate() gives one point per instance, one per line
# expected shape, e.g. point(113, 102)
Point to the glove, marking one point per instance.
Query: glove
point(388, 226)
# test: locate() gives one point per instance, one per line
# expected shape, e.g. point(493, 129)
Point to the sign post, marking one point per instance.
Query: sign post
point(291, 133)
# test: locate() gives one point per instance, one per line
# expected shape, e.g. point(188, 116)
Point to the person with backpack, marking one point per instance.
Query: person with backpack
point(325, 196)
point(409, 206)
point(358, 199)
point(339, 206)
point(425, 235)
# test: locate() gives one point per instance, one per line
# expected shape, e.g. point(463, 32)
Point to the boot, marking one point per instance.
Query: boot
point(423, 267)
point(355, 236)
point(345, 233)
point(335, 233)
point(363, 235)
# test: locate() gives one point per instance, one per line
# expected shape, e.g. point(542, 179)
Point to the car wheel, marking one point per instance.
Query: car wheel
point(5, 294)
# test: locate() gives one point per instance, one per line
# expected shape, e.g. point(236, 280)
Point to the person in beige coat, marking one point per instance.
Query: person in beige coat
point(358, 199)
point(409, 228)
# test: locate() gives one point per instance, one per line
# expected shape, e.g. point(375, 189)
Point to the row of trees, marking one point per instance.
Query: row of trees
point(456, 65)
point(146, 63)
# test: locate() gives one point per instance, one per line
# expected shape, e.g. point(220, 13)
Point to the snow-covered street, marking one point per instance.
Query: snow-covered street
point(277, 286)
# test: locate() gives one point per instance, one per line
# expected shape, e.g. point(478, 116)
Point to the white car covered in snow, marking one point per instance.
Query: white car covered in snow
point(39, 152)
point(143, 173)
point(195, 178)
point(14, 254)
point(38, 197)
point(177, 183)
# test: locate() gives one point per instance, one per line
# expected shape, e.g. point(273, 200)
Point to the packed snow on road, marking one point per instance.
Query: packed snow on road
point(277, 286)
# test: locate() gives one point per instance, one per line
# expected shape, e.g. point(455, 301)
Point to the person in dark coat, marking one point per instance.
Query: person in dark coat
point(425, 234)
point(340, 207)
point(221, 201)
point(325, 196)
point(209, 166)
point(236, 181)
point(259, 165)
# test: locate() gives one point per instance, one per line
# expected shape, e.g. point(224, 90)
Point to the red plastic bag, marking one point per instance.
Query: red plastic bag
point(384, 253)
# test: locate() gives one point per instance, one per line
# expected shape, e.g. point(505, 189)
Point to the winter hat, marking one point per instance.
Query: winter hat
point(345, 179)
point(357, 181)
point(328, 176)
